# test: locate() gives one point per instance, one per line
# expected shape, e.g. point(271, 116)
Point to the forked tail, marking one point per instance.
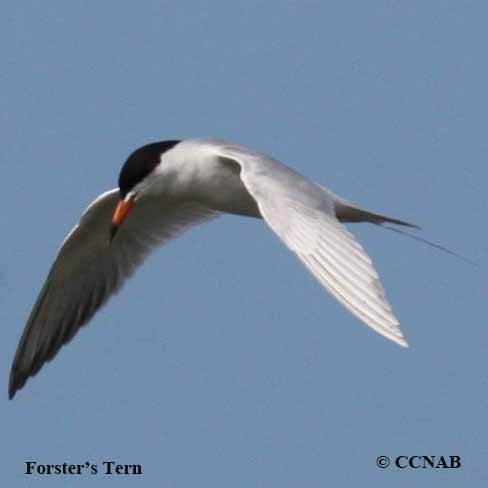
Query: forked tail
point(347, 212)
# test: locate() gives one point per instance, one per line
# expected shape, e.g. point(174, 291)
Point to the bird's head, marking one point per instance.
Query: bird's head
point(135, 178)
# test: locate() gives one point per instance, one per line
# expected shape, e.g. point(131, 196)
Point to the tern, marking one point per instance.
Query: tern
point(166, 187)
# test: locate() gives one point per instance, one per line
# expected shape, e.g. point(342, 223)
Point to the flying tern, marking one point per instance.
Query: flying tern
point(166, 187)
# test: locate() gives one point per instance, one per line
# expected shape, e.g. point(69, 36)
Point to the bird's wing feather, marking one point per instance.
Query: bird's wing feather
point(302, 214)
point(88, 270)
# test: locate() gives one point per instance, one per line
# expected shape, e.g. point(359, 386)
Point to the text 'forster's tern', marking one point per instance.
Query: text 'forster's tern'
point(165, 188)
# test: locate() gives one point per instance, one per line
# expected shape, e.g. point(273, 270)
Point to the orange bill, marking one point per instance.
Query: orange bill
point(121, 211)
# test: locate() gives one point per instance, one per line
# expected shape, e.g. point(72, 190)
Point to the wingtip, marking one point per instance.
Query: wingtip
point(16, 382)
point(12, 390)
point(13, 386)
point(401, 341)
point(397, 337)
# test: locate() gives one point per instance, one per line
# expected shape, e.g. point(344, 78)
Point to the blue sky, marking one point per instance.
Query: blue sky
point(223, 363)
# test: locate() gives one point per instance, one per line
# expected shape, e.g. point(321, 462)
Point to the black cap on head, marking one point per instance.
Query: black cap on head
point(141, 163)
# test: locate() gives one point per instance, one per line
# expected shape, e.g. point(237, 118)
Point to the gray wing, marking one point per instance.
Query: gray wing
point(88, 270)
point(302, 214)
